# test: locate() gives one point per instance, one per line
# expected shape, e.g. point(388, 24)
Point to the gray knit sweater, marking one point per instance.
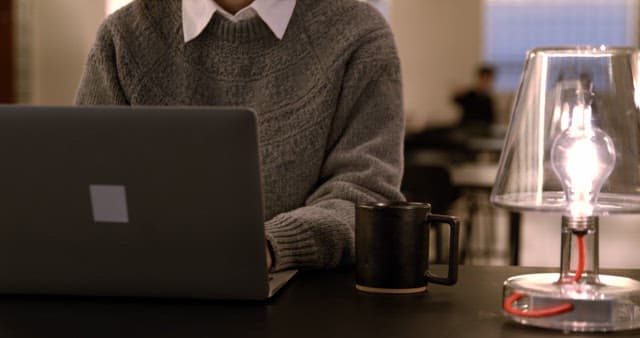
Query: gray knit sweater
point(328, 99)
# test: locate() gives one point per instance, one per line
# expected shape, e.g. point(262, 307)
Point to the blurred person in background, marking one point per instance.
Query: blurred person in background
point(476, 103)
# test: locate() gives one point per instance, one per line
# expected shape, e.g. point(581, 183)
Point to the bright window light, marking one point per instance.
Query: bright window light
point(511, 27)
point(114, 5)
point(382, 5)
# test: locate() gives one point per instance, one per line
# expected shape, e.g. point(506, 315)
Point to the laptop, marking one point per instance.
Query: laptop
point(132, 201)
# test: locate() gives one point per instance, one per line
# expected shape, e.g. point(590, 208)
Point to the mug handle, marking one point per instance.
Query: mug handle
point(452, 274)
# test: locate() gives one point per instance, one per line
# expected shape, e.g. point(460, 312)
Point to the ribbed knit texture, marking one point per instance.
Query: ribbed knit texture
point(328, 98)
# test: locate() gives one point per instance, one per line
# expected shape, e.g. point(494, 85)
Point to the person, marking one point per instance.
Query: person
point(323, 77)
point(476, 103)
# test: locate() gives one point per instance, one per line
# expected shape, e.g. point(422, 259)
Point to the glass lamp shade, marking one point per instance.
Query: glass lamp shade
point(573, 144)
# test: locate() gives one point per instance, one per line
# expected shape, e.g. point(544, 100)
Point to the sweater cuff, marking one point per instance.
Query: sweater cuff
point(292, 243)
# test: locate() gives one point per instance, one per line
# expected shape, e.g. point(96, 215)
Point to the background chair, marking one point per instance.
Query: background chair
point(430, 184)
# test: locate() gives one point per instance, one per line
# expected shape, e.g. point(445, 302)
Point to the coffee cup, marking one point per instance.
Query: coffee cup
point(392, 247)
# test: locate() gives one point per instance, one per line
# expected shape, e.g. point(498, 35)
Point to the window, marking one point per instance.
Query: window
point(512, 27)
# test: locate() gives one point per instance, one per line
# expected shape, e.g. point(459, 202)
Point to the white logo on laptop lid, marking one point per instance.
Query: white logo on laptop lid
point(109, 203)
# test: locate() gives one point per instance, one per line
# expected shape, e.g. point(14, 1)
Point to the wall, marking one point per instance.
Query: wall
point(62, 34)
point(440, 45)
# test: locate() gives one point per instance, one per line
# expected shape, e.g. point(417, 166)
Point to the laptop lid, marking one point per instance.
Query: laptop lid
point(123, 201)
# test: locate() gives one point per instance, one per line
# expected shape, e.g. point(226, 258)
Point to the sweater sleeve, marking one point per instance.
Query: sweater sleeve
point(100, 84)
point(363, 162)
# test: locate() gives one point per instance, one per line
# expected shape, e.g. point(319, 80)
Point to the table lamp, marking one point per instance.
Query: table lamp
point(573, 147)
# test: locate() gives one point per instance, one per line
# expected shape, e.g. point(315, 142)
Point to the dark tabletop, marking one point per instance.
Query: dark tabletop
point(314, 304)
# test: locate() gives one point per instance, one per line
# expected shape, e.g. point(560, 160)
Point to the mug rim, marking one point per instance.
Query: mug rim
point(394, 205)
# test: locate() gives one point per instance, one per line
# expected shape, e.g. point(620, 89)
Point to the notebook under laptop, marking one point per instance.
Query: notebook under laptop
point(122, 201)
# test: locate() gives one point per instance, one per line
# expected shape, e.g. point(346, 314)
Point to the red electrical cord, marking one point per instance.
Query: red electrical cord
point(552, 311)
point(581, 258)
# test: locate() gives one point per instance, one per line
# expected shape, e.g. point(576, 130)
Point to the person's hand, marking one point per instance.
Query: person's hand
point(269, 259)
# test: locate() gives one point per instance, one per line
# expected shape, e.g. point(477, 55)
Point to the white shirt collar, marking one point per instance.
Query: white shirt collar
point(196, 14)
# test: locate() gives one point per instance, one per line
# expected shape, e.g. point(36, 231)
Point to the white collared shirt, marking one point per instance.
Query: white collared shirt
point(196, 14)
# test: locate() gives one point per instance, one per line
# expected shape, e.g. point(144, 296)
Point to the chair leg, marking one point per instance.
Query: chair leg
point(472, 211)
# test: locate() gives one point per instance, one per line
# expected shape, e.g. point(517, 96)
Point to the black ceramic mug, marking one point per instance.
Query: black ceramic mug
point(392, 247)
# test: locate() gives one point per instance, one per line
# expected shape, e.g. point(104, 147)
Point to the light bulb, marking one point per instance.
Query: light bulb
point(583, 157)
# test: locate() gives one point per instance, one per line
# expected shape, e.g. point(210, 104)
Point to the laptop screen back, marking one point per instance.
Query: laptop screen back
point(162, 202)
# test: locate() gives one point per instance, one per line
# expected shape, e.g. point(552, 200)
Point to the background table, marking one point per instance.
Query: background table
point(316, 304)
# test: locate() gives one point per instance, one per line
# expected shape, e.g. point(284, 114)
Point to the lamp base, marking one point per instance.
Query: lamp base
point(612, 303)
